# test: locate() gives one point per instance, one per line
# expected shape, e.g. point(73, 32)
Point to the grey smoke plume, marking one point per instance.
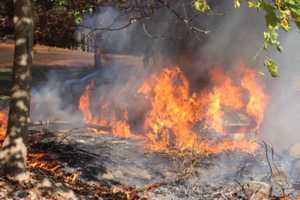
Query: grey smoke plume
point(108, 18)
point(234, 37)
point(282, 126)
point(48, 102)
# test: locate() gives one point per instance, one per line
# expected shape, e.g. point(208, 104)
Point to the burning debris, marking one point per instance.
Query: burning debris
point(174, 112)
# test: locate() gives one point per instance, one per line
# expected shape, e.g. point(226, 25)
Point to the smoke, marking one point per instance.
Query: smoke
point(49, 103)
point(163, 40)
point(234, 37)
point(107, 18)
point(281, 127)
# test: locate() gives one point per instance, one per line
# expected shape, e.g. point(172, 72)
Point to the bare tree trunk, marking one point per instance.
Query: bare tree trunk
point(13, 154)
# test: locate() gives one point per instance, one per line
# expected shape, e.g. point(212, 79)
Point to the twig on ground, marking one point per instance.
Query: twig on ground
point(268, 160)
point(242, 187)
point(223, 195)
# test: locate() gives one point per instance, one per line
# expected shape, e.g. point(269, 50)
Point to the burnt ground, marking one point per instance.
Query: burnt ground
point(115, 164)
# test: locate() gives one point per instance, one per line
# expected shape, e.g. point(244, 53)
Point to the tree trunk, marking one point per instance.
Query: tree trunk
point(98, 54)
point(13, 154)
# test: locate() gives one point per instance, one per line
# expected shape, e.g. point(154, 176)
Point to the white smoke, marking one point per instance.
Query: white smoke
point(49, 103)
point(105, 23)
point(282, 127)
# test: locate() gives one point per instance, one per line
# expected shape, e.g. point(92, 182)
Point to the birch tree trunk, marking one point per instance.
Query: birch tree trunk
point(13, 154)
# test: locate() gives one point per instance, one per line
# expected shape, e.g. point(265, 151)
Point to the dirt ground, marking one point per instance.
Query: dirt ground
point(48, 56)
point(59, 57)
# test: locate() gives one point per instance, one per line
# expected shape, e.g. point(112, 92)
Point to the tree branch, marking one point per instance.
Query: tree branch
point(183, 19)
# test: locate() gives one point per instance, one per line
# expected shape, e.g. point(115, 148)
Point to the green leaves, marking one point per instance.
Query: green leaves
point(270, 14)
point(295, 11)
point(278, 16)
point(272, 67)
point(77, 9)
point(78, 17)
point(254, 4)
point(61, 2)
point(271, 37)
point(237, 3)
point(201, 6)
point(78, 14)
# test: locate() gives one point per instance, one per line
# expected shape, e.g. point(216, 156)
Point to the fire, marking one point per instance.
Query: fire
point(257, 99)
point(214, 114)
point(42, 161)
point(84, 103)
point(170, 121)
point(176, 114)
point(230, 93)
point(120, 128)
point(3, 125)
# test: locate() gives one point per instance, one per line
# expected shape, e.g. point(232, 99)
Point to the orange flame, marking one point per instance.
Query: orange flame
point(257, 99)
point(175, 112)
point(43, 161)
point(170, 121)
point(120, 128)
point(214, 114)
point(3, 125)
point(84, 103)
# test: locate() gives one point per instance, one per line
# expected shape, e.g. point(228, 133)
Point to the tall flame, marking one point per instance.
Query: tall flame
point(170, 121)
point(257, 99)
point(175, 113)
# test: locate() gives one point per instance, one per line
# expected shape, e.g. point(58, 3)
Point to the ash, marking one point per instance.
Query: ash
point(175, 175)
point(232, 176)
